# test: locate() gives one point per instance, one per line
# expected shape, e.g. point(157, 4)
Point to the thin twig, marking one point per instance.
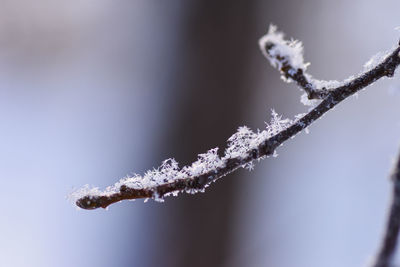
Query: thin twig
point(390, 238)
point(298, 75)
point(194, 183)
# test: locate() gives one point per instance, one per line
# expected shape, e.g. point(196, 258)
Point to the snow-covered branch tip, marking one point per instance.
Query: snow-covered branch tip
point(245, 146)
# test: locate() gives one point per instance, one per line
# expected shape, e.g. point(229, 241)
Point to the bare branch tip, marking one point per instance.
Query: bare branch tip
point(88, 203)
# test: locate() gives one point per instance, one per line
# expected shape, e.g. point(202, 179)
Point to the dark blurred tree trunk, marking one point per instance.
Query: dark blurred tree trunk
point(211, 99)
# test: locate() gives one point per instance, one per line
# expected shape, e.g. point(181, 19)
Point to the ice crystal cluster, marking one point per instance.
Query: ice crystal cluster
point(290, 51)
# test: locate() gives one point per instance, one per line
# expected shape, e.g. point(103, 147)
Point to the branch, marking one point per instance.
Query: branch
point(245, 146)
point(287, 57)
point(389, 241)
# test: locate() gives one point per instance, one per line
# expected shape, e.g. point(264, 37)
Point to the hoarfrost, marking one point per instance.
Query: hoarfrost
point(277, 123)
point(205, 163)
point(375, 60)
point(289, 54)
point(319, 84)
point(244, 140)
point(240, 144)
point(308, 102)
point(291, 51)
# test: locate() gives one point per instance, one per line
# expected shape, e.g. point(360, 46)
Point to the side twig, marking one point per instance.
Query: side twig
point(390, 238)
point(244, 146)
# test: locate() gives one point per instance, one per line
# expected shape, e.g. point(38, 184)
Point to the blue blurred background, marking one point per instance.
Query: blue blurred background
point(93, 90)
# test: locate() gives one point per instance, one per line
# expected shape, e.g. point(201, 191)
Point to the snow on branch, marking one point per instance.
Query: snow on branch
point(245, 146)
point(287, 57)
point(390, 238)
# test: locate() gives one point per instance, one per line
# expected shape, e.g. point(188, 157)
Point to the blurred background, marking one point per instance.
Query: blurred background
point(93, 90)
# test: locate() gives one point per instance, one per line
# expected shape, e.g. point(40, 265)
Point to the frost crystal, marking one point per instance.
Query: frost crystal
point(244, 140)
point(376, 60)
point(240, 143)
point(291, 51)
point(205, 163)
point(286, 54)
point(277, 123)
point(306, 101)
